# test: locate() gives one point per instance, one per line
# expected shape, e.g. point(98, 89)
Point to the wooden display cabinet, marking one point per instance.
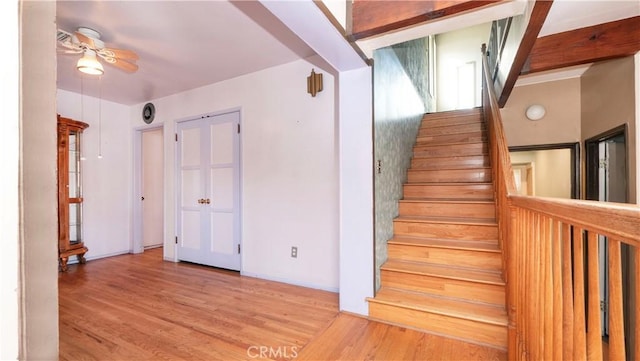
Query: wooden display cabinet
point(70, 241)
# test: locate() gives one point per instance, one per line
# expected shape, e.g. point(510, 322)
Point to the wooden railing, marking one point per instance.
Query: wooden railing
point(552, 252)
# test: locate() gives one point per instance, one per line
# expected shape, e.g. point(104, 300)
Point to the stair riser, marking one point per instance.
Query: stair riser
point(445, 256)
point(459, 289)
point(473, 331)
point(448, 121)
point(451, 138)
point(473, 210)
point(431, 130)
point(450, 175)
point(444, 230)
point(459, 113)
point(469, 192)
point(452, 150)
point(450, 162)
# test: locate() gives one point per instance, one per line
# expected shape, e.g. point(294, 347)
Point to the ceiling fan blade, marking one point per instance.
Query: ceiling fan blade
point(124, 65)
point(69, 51)
point(85, 39)
point(70, 46)
point(119, 53)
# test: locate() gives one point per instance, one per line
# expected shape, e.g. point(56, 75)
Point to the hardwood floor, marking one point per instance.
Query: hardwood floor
point(356, 338)
point(138, 307)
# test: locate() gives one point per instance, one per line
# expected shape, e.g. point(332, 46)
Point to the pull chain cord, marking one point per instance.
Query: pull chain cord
point(100, 119)
point(81, 97)
point(81, 105)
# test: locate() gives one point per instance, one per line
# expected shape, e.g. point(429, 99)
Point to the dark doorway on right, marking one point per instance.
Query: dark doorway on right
point(607, 180)
point(606, 162)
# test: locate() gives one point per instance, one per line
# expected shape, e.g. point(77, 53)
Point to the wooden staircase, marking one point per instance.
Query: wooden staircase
point(443, 271)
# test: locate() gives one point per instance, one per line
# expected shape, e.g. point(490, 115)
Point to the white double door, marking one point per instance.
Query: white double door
point(209, 194)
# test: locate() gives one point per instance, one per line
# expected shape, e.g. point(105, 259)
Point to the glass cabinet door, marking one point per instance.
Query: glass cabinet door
point(75, 191)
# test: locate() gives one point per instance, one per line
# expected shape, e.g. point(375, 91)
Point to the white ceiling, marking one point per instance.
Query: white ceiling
point(568, 15)
point(188, 44)
point(182, 45)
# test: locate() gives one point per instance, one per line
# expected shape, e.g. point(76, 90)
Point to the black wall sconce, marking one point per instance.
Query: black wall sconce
point(314, 83)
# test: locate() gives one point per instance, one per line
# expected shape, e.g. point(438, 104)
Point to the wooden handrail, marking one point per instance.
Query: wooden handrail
point(552, 249)
point(617, 220)
point(494, 121)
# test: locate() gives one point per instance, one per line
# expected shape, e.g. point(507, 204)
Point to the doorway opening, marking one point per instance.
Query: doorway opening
point(148, 199)
point(607, 180)
point(606, 163)
point(547, 170)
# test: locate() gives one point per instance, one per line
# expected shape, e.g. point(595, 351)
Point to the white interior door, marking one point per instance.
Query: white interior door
point(152, 188)
point(209, 194)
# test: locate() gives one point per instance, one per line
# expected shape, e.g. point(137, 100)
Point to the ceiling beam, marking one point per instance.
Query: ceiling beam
point(538, 16)
point(586, 45)
point(376, 17)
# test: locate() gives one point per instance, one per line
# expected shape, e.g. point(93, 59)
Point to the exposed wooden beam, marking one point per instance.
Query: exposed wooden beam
point(538, 16)
point(375, 17)
point(586, 45)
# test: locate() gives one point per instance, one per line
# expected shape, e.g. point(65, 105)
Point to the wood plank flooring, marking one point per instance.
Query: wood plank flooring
point(138, 307)
point(355, 338)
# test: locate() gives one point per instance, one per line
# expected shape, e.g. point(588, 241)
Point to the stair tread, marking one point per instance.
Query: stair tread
point(449, 220)
point(436, 167)
point(444, 200)
point(487, 276)
point(477, 157)
point(441, 122)
point(456, 157)
point(448, 200)
point(483, 246)
point(451, 183)
point(482, 130)
point(433, 139)
point(427, 145)
point(481, 312)
point(454, 113)
point(447, 167)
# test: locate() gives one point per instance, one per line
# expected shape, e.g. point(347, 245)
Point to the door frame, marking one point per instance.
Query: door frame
point(136, 204)
point(176, 175)
point(591, 160)
point(575, 160)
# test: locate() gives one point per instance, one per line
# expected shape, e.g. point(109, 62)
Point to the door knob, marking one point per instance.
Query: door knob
point(207, 201)
point(142, 198)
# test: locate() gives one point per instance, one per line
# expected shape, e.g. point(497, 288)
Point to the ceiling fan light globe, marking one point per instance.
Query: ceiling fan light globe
point(88, 64)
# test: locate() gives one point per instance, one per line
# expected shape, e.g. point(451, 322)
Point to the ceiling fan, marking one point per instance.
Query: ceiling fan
point(87, 41)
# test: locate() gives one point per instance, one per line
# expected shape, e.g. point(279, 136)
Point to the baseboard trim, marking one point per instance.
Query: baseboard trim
point(289, 281)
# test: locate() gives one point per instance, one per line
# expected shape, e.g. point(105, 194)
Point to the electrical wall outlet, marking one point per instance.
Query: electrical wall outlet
point(294, 252)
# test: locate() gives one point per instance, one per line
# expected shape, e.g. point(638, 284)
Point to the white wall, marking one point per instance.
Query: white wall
point(9, 191)
point(356, 190)
point(561, 122)
point(454, 49)
point(106, 182)
point(289, 170)
point(38, 189)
